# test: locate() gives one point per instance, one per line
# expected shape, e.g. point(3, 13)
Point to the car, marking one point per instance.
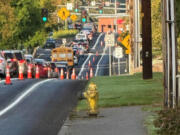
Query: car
point(81, 36)
point(2, 65)
point(75, 60)
point(10, 60)
point(19, 56)
point(43, 67)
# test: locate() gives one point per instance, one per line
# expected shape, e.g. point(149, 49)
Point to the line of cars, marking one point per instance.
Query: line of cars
point(81, 43)
point(16, 58)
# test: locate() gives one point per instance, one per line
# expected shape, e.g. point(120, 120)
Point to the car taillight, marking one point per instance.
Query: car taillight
point(45, 68)
point(13, 60)
point(22, 61)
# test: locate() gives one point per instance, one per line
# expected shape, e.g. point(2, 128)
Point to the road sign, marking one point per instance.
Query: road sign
point(118, 53)
point(93, 3)
point(107, 3)
point(69, 6)
point(73, 18)
point(126, 43)
point(63, 13)
point(109, 39)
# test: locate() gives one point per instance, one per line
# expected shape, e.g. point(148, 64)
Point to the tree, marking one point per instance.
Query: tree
point(7, 23)
point(156, 28)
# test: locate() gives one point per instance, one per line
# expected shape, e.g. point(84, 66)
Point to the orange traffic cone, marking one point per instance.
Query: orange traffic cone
point(37, 73)
point(91, 73)
point(101, 43)
point(56, 70)
point(21, 77)
point(49, 72)
point(97, 53)
point(87, 78)
point(62, 74)
point(89, 63)
point(8, 78)
point(73, 76)
point(93, 59)
point(29, 72)
point(67, 75)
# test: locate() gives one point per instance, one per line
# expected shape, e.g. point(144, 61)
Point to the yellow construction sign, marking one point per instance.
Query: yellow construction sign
point(63, 13)
point(126, 43)
point(73, 18)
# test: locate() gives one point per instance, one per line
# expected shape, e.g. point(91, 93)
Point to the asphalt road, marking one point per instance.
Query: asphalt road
point(37, 107)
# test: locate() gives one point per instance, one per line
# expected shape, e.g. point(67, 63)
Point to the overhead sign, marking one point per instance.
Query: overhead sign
point(63, 13)
point(69, 6)
point(107, 3)
point(93, 3)
point(126, 43)
point(118, 53)
point(109, 39)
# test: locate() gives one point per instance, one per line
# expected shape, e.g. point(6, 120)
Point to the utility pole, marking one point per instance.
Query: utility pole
point(131, 55)
point(169, 54)
point(146, 39)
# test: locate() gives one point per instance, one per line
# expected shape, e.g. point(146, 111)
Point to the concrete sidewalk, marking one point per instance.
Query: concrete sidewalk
point(111, 121)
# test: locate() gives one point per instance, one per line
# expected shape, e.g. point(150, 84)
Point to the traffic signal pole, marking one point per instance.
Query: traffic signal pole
point(146, 39)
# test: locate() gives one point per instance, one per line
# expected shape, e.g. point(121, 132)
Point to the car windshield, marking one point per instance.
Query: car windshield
point(8, 56)
point(18, 55)
point(45, 57)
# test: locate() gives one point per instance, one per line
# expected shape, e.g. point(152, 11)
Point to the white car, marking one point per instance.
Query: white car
point(75, 60)
point(81, 36)
point(2, 65)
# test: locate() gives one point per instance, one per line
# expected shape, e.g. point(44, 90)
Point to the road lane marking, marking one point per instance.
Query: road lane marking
point(97, 41)
point(22, 96)
point(83, 66)
point(104, 51)
point(89, 55)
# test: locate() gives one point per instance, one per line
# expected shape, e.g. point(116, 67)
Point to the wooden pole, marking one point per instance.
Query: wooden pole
point(146, 39)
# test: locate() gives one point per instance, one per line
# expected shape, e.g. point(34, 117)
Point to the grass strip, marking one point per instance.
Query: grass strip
point(128, 90)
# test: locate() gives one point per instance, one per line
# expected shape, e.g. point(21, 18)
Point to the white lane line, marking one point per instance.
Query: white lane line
point(2, 81)
point(22, 96)
point(83, 66)
point(89, 55)
point(104, 51)
point(97, 41)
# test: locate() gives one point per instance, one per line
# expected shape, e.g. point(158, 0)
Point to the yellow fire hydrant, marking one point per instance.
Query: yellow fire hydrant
point(92, 98)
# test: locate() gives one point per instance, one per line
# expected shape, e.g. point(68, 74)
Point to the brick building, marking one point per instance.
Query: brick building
point(106, 24)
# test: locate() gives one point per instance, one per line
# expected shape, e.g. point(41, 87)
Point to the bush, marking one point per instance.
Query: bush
point(168, 122)
point(65, 33)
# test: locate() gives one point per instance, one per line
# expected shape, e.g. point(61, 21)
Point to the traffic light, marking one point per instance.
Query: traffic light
point(84, 16)
point(76, 8)
point(44, 14)
point(100, 9)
